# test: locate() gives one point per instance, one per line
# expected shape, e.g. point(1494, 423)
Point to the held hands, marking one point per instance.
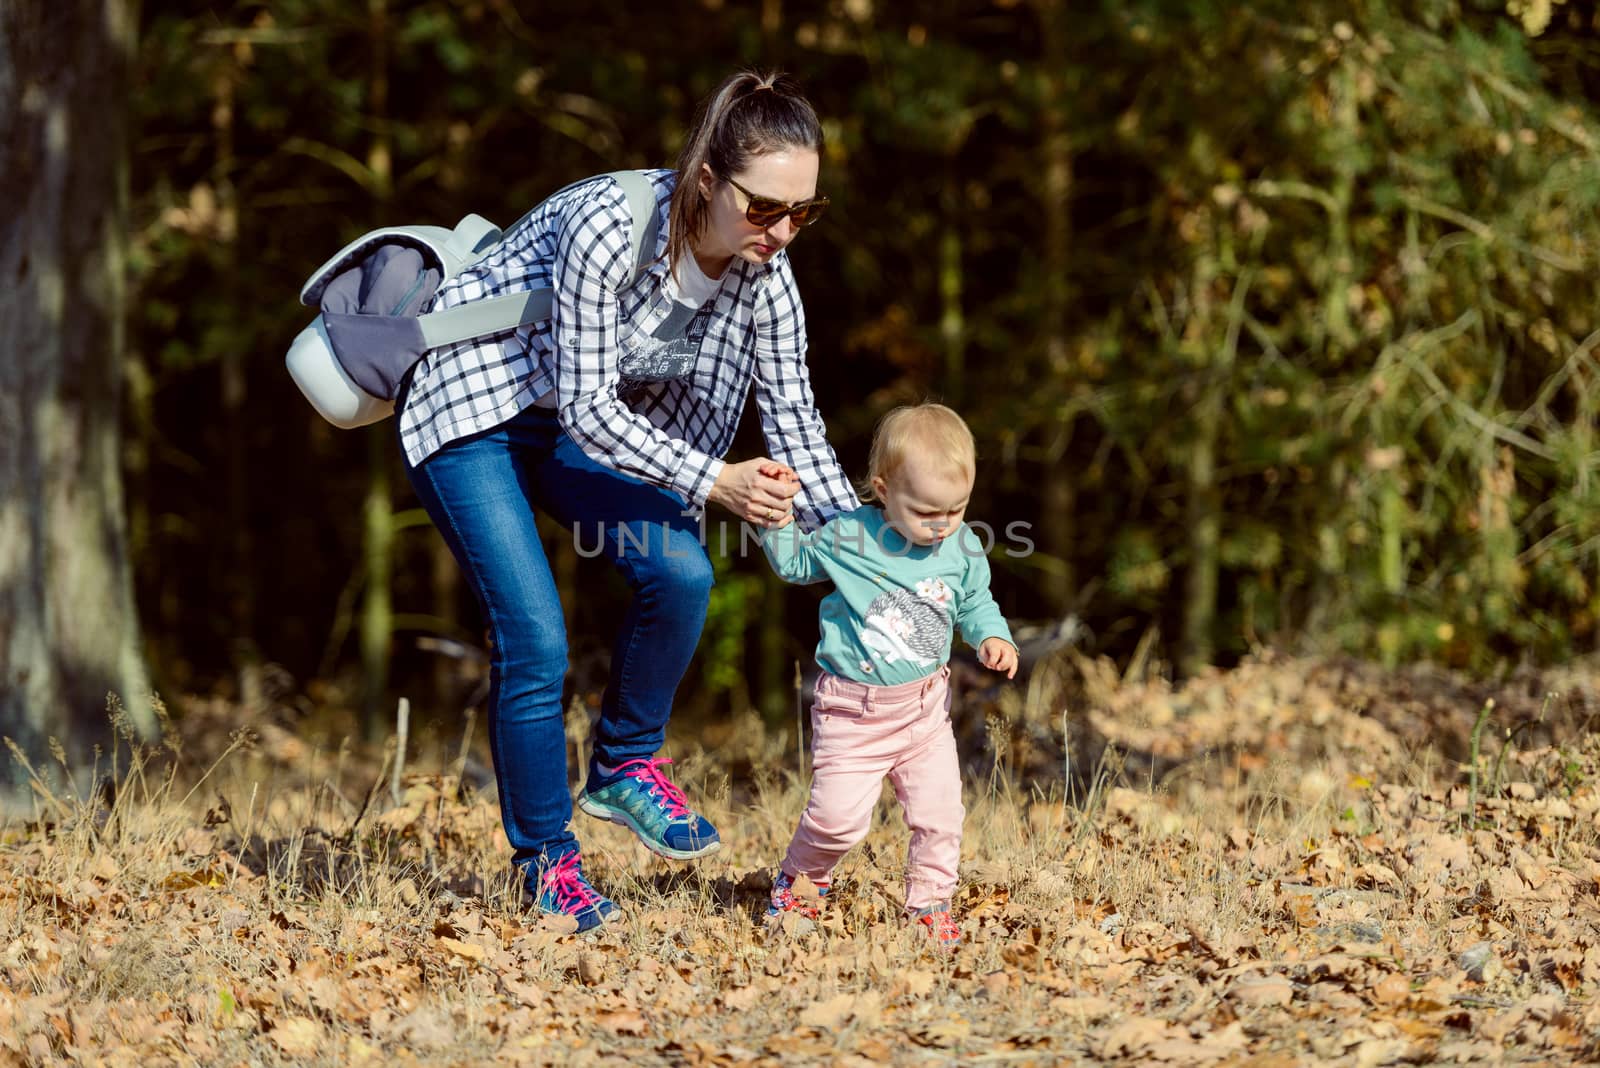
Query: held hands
point(997, 654)
point(760, 490)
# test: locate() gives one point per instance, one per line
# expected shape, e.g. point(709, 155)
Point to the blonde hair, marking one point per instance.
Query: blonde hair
point(931, 431)
point(750, 114)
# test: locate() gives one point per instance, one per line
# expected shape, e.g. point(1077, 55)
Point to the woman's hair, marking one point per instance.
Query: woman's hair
point(750, 114)
point(931, 431)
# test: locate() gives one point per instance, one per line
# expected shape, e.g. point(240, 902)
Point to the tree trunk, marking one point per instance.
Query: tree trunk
point(1058, 503)
point(777, 671)
point(952, 320)
point(1204, 494)
point(234, 569)
point(444, 576)
point(69, 632)
point(377, 609)
point(1204, 516)
point(377, 606)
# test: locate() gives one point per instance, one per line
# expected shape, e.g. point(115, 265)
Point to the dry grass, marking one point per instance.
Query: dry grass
point(1259, 866)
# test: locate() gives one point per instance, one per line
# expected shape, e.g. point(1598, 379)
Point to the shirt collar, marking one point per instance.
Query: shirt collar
point(748, 272)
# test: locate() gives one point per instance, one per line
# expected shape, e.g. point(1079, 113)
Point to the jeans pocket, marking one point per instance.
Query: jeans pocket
point(827, 705)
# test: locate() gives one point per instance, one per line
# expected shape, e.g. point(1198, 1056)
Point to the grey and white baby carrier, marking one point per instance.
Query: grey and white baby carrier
point(350, 361)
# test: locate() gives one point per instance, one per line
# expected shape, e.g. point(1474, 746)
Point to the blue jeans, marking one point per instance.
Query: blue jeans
point(481, 493)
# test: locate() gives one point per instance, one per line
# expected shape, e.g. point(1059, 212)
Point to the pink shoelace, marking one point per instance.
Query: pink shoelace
point(565, 881)
point(661, 788)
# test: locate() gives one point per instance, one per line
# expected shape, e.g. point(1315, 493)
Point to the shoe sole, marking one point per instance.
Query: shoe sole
point(617, 913)
point(621, 818)
point(614, 916)
point(607, 920)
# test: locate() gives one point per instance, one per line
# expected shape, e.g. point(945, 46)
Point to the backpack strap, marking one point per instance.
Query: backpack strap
point(494, 315)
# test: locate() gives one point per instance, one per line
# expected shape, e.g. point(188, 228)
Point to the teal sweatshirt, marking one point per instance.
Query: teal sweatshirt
point(895, 604)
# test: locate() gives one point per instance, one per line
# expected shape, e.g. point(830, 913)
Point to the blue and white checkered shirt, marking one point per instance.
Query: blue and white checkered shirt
point(667, 430)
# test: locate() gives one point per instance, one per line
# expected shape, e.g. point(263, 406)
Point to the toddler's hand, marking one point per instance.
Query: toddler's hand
point(781, 472)
point(758, 491)
point(997, 654)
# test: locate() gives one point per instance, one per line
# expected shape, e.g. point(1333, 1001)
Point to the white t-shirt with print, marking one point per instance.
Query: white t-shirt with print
point(688, 286)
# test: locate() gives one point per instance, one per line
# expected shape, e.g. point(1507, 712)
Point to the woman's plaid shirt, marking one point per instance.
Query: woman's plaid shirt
point(671, 432)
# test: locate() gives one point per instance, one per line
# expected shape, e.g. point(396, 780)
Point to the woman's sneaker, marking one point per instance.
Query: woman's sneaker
point(783, 898)
point(638, 795)
point(940, 925)
point(560, 889)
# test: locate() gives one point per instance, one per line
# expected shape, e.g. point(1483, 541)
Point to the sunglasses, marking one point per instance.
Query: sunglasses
point(765, 212)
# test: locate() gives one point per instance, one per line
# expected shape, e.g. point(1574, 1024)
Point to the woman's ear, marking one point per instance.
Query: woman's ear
point(708, 182)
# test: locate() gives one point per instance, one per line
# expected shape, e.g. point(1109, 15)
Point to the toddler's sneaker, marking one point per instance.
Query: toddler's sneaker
point(783, 898)
point(941, 926)
point(638, 795)
point(562, 890)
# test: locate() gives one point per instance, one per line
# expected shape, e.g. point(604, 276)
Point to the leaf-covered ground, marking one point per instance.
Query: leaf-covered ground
point(1289, 863)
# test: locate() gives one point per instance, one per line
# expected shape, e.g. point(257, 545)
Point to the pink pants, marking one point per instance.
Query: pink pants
point(861, 733)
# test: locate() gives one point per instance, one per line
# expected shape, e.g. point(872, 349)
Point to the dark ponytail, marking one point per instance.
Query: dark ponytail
point(751, 113)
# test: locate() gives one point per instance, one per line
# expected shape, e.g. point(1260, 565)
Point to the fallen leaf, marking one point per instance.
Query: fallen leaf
point(1532, 872)
point(876, 1049)
point(1262, 991)
point(557, 923)
point(623, 1022)
point(1377, 1051)
point(1179, 1050)
point(868, 1011)
point(995, 984)
point(1425, 1032)
point(828, 1015)
point(1377, 875)
point(465, 950)
point(196, 840)
point(297, 1036)
point(1228, 1040)
point(801, 1042)
point(398, 819)
point(806, 891)
point(1132, 1035)
point(426, 1028)
point(1391, 990)
point(742, 998)
point(358, 1050)
point(942, 1033)
point(188, 880)
point(1082, 1006)
point(530, 994)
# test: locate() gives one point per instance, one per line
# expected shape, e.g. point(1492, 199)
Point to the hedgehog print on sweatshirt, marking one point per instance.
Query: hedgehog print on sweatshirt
point(902, 625)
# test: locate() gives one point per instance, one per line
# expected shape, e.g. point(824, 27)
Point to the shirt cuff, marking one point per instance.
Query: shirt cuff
point(987, 630)
point(696, 487)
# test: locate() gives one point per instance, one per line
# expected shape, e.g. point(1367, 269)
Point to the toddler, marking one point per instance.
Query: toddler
point(906, 571)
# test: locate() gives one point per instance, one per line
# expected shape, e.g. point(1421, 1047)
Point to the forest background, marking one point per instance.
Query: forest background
point(1274, 320)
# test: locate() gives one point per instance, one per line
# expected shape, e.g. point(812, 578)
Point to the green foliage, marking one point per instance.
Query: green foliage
point(735, 602)
point(1327, 292)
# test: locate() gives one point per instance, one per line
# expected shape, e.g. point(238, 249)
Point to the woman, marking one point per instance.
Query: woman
point(615, 414)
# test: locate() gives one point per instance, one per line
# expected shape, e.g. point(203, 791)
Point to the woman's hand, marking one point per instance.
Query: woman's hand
point(997, 654)
point(761, 491)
